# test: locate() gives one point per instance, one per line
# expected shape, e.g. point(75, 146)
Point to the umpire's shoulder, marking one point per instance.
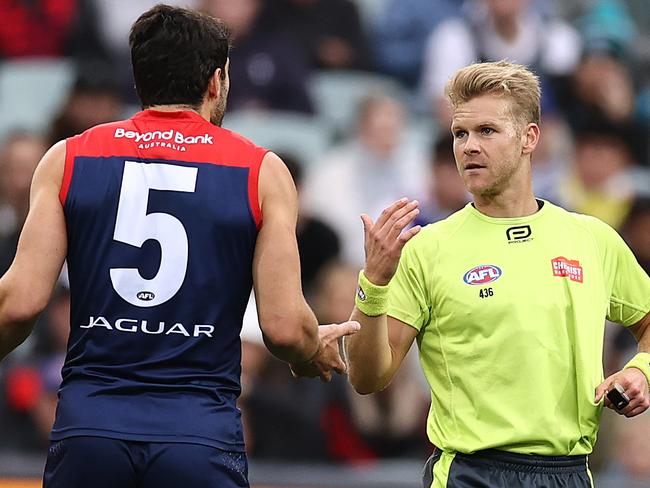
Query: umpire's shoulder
point(601, 231)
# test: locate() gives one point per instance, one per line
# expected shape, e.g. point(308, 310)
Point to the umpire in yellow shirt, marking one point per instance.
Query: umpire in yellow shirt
point(507, 300)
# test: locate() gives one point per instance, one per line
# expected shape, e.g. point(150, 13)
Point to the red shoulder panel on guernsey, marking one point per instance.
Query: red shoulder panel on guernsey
point(174, 136)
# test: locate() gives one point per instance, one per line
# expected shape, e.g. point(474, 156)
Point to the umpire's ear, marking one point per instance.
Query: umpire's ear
point(530, 138)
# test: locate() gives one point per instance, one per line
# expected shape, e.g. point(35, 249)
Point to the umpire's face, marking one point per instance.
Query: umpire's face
point(490, 146)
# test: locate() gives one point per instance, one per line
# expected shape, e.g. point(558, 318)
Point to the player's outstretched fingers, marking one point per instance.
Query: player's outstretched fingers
point(346, 328)
point(326, 376)
point(340, 368)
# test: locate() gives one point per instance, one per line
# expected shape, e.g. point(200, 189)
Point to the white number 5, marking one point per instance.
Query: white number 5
point(134, 226)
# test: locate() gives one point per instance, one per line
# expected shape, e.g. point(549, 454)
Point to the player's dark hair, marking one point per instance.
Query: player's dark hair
point(174, 52)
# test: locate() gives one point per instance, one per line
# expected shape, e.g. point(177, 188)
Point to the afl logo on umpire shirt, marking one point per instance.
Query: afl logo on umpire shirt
point(483, 274)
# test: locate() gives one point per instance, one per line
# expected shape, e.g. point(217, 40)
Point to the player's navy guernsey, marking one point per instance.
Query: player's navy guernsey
point(162, 217)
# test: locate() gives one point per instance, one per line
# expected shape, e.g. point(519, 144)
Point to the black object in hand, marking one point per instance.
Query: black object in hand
point(618, 397)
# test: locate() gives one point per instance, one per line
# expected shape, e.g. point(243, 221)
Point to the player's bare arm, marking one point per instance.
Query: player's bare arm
point(632, 380)
point(26, 287)
point(289, 326)
point(377, 350)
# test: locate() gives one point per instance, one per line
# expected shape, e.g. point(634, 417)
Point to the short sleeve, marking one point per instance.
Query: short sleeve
point(409, 300)
point(627, 283)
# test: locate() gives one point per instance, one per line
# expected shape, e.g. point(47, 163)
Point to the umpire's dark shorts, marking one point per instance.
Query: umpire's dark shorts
point(500, 469)
point(97, 462)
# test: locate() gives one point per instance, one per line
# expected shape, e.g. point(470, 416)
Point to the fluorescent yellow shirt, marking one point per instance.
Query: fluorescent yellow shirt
point(510, 314)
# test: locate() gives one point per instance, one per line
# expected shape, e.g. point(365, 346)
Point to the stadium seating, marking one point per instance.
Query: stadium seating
point(31, 92)
point(336, 94)
point(304, 136)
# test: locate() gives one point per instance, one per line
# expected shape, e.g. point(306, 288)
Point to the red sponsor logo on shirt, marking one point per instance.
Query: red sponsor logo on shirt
point(567, 268)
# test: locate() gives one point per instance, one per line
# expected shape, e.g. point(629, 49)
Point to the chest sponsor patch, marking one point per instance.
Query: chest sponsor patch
point(483, 274)
point(567, 268)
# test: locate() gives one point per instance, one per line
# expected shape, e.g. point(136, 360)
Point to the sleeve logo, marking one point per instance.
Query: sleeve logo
point(361, 294)
point(483, 274)
point(567, 268)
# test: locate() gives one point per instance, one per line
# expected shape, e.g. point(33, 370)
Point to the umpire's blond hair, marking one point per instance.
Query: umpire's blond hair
point(500, 78)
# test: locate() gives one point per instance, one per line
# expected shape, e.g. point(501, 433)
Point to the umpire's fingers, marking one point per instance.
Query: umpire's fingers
point(389, 211)
point(601, 390)
point(399, 218)
point(636, 411)
point(400, 224)
point(367, 224)
point(406, 236)
point(638, 403)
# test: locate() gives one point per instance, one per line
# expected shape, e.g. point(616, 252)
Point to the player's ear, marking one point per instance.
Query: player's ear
point(530, 138)
point(214, 84)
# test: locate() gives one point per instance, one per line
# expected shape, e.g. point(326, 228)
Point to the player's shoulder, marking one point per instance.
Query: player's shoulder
point(100, 131)
point(234, 137)
point(236, 146)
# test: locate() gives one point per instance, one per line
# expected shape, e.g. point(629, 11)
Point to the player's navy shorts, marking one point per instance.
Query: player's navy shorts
point(97, 462)
point(500, 469)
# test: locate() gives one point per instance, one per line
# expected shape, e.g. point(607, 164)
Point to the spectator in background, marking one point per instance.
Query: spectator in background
point(447, 193)
point(555, 149)
point(602, 87)
point(401, 34)
point(388, 423)
point(50, 353)
point(318, 243)
point(636, 232)
point(19, 156)
point(374, 167)
point(49, 28)
point(600, 184)
point(348, 437)
point(331, 30)
point(268, 70)
point(254, 360)
point(491, 30)
point(28, 390)
point(273, 403)
point(277, 404)
point(94, 99)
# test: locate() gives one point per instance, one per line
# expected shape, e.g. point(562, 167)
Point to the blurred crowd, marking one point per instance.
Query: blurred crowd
point(350, 94)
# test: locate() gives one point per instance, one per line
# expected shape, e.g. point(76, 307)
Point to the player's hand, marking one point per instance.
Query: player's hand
point(384, 239)
point(635, 385)
point(328, 358)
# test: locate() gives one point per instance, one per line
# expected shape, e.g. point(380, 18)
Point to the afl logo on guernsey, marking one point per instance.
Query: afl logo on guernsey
point(482, 275)
point(146, 296)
